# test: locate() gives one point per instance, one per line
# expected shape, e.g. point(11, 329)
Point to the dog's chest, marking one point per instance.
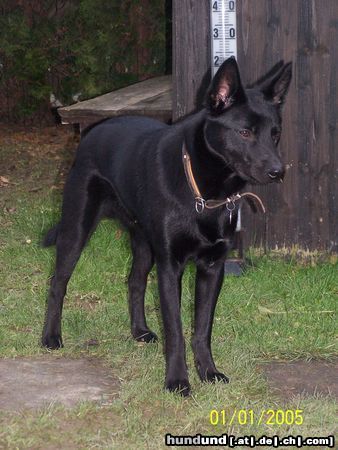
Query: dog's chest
point(206, 242)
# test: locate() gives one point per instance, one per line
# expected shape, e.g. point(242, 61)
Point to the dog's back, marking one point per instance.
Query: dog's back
point(119, 150)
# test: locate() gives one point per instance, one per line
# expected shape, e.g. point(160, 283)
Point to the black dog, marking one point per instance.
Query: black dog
point(146, 174)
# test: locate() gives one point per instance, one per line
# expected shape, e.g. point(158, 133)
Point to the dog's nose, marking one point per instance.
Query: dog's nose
point(276, 174)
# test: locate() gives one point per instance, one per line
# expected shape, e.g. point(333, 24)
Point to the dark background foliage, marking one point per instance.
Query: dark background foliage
point(68, 47)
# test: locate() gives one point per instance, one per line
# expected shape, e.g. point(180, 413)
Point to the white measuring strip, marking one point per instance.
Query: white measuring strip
point(223, 32)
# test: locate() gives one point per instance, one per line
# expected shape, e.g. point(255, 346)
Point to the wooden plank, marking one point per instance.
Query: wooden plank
point(151, 97)
point(305, 123)
point(191, 55)
point(332, 127)
point(285, 225)
point(316, 152)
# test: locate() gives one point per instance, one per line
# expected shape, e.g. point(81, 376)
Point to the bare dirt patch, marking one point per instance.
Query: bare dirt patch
point(29, 383)
point(33, 159)
point(302, 377)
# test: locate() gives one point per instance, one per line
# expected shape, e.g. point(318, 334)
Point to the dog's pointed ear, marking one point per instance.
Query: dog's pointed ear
point(276, 86)
point(226, 87)
point(267, 76)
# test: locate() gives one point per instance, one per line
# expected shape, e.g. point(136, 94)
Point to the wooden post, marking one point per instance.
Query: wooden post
point(191, 54)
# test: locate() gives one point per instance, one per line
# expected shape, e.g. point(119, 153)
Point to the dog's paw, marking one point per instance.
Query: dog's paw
point(179, 386)
point(213, 377)
point(52, 342)
point(147, 336)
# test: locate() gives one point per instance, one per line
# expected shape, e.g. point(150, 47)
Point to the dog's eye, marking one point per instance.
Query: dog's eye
point(245, 133)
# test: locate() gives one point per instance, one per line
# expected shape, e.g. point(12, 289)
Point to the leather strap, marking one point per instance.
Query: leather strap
point(200, 202)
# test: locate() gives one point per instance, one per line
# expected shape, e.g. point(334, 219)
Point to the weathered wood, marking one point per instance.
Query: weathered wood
point(273, 27)
point(191, 54)
point(304, 210)
point(151, 97)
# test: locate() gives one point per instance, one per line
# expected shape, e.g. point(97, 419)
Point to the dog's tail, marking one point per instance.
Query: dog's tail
point(50, 238)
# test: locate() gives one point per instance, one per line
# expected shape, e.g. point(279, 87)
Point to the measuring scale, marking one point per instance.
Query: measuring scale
point(223, 32)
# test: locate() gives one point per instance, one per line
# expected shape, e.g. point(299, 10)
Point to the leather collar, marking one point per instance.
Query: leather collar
point(200, 202)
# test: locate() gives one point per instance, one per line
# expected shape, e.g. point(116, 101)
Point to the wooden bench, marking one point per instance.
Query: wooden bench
point(152, 98)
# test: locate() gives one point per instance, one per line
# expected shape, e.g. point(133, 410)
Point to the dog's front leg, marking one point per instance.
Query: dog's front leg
point(208, 285)
point(169, 279)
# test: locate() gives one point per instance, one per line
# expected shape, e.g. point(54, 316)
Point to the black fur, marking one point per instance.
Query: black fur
point(50, 238)
point(130, 168)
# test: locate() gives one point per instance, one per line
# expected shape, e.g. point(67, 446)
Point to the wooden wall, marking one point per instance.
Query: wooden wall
point(304, 210)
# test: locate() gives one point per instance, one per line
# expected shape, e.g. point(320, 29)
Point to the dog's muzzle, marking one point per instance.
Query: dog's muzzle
point(276, 175)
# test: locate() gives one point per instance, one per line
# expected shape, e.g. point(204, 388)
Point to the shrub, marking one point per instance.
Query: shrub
point(71, 46)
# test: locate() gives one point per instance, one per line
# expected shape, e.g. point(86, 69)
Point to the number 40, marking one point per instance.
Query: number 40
point(231, 6)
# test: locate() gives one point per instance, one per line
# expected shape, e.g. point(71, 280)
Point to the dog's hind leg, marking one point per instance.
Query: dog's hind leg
point(208, 285)
point(80, 214)
point(142, 263)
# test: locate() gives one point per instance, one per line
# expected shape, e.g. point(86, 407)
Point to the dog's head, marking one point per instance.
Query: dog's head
point(243, 126)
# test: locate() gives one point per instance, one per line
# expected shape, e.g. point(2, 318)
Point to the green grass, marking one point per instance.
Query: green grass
point(277, 310)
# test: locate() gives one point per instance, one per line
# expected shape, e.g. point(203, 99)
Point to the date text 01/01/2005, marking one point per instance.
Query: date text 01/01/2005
point(250, 417)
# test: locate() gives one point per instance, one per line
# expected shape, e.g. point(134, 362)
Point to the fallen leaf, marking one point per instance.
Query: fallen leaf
point(10, 210)
point(264, 310)
point(118, 234)
point(4, 181)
